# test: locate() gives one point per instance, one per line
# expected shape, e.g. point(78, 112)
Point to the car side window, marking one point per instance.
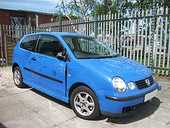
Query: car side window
point(29, 42)
point(49, 46)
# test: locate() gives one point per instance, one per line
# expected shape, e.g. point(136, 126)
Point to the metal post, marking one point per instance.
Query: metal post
point(153, 27)
point(60, 23)
point(1, 50)
point(137, 35)
point(95, 26)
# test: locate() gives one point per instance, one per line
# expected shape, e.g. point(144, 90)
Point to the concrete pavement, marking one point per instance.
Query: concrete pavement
point(28, 108)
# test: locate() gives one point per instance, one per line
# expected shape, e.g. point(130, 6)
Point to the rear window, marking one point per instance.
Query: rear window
point(29, 42)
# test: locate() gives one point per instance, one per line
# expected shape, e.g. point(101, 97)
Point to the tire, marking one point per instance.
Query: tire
point(84, 103)
point(17, 77)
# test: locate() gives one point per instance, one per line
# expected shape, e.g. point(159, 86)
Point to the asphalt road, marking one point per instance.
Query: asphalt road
point(28, 108)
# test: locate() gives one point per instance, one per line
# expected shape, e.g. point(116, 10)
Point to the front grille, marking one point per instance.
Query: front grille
point(144, 83)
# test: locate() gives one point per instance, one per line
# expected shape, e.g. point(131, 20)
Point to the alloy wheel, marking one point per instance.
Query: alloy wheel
point(84, 103)
point(17, 77)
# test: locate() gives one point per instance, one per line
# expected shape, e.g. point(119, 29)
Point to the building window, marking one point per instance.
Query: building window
point(18, 20)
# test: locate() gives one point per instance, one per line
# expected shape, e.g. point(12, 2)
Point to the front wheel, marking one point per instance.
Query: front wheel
point(84, 103)
point(17, 77)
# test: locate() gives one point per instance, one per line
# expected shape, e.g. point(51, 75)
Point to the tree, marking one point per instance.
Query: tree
point(80, 8)
point(75, 9)
point(141, 4)
point(105, 7)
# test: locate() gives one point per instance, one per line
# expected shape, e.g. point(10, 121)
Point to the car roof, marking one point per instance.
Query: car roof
point(58, 33)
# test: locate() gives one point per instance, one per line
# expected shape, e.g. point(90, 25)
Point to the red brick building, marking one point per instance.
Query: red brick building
point(20, 17)
point(10, 34)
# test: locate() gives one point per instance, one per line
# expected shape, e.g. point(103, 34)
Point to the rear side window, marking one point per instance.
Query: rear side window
point(29, 42)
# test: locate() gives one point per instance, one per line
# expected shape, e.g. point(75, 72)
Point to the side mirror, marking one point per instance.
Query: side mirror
point(62, 55)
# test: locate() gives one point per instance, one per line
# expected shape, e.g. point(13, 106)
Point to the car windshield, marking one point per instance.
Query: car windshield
point(86, 48)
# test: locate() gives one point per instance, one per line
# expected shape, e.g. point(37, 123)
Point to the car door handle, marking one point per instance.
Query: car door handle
point(33, 59)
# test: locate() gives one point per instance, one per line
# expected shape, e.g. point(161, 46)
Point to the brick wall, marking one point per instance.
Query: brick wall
point(6, 14)
point(4, 17)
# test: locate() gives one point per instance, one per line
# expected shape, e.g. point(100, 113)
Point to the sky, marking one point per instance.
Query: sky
point(47, 6)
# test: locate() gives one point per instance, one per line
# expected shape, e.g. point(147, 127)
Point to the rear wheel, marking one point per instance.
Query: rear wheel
point(84, 103)
point(17, 77)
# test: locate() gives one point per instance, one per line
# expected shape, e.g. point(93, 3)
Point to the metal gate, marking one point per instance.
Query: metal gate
point(141, 35)
point(3, 52)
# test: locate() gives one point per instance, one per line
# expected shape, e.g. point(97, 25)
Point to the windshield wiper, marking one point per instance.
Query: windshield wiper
point(99, 57)
point(116, 55)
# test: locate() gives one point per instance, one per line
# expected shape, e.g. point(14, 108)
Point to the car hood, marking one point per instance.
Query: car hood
point(122, 67)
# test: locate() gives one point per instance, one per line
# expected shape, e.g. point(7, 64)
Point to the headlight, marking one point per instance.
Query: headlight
point(131, 85)
point(119, 84)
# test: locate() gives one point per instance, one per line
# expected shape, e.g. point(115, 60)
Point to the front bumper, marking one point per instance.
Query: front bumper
point(119, 105)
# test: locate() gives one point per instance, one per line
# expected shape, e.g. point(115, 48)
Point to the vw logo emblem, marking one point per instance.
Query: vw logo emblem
point(147, 82)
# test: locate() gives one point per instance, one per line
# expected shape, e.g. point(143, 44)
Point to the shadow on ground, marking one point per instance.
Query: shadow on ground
point(60, 102)
point(142, 111)
point(2, 126)
point(51, 98)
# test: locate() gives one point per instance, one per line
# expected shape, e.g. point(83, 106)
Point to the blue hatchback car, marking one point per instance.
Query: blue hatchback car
point(83, 72)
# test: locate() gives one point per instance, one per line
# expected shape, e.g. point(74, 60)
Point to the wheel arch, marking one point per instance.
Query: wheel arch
point(78, 84)
point(14, 65)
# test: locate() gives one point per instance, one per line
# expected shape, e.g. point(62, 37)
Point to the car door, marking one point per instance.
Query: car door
point(27, 49)
point(50, 71)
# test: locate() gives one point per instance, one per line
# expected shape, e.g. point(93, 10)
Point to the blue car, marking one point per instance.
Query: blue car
point(83, 72)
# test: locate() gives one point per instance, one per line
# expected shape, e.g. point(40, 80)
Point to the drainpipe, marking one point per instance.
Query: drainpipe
point(29, 21)
point(36, 20)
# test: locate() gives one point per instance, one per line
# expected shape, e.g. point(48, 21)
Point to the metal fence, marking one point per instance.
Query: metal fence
point(9, 35)
point(138, 35)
